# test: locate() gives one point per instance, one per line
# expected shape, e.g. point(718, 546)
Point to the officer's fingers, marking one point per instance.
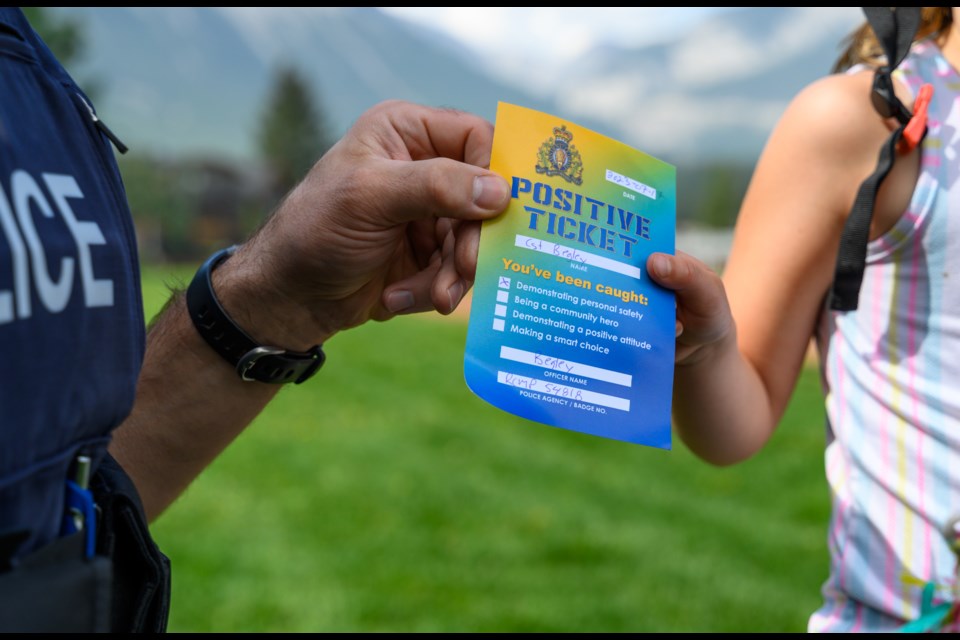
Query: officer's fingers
point(439, 287)
point(404, 130)
point(413, 294)
point(467, 249)
point(451, 284)
point(439, 188)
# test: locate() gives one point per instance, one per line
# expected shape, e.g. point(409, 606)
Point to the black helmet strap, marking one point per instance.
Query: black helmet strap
point(895, 28)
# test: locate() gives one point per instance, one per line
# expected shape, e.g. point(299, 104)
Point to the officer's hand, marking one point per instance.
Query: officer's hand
point(386, 222)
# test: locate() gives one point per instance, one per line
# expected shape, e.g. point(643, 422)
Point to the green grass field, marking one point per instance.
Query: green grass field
point(383, 496)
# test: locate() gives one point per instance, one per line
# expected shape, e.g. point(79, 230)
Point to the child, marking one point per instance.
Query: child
point(890, 368)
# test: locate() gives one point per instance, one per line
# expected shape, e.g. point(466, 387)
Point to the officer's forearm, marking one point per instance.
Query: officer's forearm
point(189, 406)
point(190, 402)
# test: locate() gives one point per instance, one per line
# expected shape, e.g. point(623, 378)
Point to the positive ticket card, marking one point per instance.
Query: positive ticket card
point(566, 327)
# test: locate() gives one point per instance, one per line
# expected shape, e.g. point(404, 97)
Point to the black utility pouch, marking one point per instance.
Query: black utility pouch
point(125, 587)
point(141, 572)
point(57, 589)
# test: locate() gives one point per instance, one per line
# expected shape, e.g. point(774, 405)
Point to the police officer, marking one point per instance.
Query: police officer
point(104, 424)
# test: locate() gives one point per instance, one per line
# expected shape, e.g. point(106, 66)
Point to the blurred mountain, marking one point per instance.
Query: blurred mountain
point(194, 79)
point(716, 92)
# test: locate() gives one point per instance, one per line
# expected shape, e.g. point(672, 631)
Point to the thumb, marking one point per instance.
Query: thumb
point(441, 188)
point(702, 306)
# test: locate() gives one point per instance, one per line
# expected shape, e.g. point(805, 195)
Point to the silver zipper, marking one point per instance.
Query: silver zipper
point(101, 125)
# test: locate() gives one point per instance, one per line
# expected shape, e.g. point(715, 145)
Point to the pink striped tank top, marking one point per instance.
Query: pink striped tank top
point(891, 378)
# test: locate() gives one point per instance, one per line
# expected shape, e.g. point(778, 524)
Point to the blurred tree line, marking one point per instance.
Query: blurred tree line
point(709, 195)
point(186, 207)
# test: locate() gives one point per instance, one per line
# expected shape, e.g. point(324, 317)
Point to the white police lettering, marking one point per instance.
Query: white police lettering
point(96, 293)
point(53, 295)
point(19, 256)
point(24, 240)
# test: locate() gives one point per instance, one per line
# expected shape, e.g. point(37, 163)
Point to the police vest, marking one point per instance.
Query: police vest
point(71, 317)
point(71, 347)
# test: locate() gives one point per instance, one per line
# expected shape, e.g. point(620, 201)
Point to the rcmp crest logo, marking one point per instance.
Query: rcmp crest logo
point(557, 157)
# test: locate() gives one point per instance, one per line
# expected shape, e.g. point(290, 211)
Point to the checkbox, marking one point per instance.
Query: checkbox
point(498, 324)
point(504, 283)
point(503, 296)
point(500, 310)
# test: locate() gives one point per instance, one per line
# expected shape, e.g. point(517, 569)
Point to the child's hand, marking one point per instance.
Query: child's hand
point(703, 314)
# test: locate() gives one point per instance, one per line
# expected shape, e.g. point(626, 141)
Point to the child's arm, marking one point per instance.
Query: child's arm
point(744, 338)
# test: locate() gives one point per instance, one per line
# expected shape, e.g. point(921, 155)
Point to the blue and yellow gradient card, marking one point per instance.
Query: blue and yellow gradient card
point(566, 327)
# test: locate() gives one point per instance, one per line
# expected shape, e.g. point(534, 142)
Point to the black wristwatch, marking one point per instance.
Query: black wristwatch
point(253, 362)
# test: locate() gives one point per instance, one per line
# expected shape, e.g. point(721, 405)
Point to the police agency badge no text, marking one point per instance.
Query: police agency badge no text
point(566, 327)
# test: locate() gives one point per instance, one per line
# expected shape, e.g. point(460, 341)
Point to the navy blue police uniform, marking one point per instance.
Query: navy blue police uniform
point(75, 554)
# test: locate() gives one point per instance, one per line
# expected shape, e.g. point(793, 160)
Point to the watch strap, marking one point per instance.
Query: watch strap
point(252, 361)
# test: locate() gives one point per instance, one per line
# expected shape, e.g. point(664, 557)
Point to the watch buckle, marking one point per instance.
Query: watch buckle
point(250, 358)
